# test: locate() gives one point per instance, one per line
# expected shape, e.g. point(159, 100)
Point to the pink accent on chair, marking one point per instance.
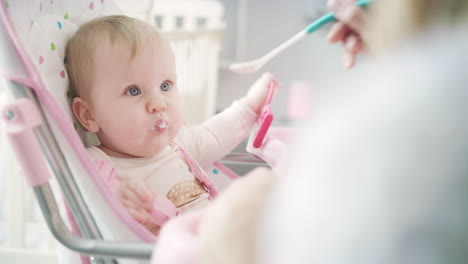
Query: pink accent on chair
point(108, 174)
point(164, 209)
point(226, 171)
point(20, 118)
point(75, 230)
point(265, 118)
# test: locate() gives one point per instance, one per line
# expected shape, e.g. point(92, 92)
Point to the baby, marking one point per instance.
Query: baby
point(124, 87)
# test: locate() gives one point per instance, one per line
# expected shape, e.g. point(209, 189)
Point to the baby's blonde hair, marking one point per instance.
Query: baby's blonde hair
point(81, 47)
point(396, 20)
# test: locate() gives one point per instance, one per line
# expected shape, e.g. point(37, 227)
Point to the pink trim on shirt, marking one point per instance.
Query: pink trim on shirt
point(201, 176)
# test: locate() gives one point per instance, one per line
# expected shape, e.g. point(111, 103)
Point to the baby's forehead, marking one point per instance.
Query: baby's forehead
point(123, 43)
point(121, 53)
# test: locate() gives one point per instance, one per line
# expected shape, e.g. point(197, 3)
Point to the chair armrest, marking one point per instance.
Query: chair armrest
point(243, 159)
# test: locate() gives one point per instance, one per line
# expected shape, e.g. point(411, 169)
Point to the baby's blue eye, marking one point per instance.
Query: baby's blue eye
point(133, 91)
point(165, 86)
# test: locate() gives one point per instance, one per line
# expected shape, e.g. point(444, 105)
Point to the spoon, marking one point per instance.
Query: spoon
point(254, 65)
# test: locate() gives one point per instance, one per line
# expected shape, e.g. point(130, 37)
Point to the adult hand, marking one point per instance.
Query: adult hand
point(349, 30)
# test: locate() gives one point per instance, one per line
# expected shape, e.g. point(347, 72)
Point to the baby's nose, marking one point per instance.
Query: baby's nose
point(156, 104)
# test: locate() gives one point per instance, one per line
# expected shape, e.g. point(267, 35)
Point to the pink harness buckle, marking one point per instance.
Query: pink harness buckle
point(265, 118)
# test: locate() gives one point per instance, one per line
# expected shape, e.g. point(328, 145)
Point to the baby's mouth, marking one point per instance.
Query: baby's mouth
point(160, 126)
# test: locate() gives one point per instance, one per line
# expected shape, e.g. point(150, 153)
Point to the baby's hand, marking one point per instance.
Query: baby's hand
point(258, 92)
point(137, 198)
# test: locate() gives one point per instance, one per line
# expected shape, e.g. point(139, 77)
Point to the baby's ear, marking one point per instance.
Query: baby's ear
point(82, 112)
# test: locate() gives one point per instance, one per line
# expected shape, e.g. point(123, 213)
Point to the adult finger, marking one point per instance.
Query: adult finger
point(352, 43)
point(337, 32)
point(349, 59)
point(337, 4)
point(353, 16)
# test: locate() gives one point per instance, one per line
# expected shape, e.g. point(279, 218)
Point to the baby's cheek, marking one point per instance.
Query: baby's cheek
point(119, 124)
point(176, 113)
point(174, 129)
point(123, 126)
point(131, 139)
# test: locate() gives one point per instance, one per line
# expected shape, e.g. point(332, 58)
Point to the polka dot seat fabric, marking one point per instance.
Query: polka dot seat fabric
point(44, 28)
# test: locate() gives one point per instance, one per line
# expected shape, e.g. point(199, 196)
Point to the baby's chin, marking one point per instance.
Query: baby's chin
point(151, 150)
point(144, 151)
point(148, 148)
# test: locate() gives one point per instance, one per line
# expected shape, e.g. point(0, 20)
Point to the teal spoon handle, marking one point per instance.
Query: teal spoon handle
point(330, 17)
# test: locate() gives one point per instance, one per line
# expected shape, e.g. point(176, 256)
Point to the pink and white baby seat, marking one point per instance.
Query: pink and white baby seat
point(48, 141)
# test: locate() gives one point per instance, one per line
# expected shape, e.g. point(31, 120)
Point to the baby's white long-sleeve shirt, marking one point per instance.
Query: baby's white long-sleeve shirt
point(169, 174)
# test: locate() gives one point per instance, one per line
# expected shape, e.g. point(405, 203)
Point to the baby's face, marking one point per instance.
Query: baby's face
point(135, 101)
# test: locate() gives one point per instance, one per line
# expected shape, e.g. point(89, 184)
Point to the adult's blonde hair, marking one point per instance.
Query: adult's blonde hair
point(396, 20)
point(81, 47)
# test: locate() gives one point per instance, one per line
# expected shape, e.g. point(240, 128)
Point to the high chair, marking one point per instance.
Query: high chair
point(47, 140)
